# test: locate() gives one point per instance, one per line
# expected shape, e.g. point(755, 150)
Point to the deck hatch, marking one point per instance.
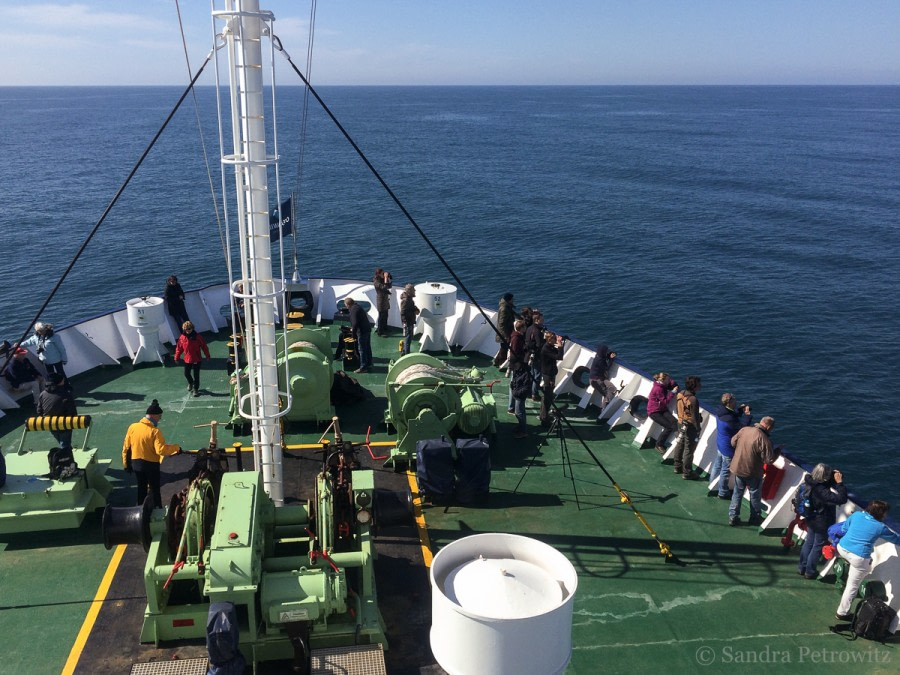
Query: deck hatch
point(359, 660)
point(174, 667)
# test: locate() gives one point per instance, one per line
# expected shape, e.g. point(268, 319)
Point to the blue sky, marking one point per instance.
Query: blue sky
point(95, 42)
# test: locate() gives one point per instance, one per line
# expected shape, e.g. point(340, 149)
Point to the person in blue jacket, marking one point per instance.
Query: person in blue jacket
point(729, 420)
point(861, 530)
point(49, 348)
point(826, 490)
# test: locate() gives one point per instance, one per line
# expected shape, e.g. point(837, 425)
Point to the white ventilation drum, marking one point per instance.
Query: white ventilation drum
point(146, 315)
point(501, 604)
point(436, 301)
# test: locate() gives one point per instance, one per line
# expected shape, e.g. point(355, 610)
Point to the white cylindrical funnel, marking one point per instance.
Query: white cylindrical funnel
point(436, 301)
point(501, 604)
point(146, 315)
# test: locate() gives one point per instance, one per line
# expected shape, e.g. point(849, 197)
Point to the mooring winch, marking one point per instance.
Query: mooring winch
point(429, 399)
point(300, 576)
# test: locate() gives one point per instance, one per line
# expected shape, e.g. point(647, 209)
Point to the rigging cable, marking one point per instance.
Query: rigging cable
point(304, 118)
point(277, 41)
point(212, 189)
point(109, 207)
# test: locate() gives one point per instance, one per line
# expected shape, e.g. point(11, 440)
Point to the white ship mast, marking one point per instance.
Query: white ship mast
point(245, 27)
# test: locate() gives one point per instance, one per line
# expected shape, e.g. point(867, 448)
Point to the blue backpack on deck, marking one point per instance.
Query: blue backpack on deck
point(835, 532)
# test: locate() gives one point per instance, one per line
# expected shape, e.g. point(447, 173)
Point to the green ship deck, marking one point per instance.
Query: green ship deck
point(733, 600)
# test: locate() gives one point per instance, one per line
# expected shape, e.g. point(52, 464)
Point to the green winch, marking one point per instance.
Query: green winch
point(307, 377)
point(428, 399)
point(300, 576)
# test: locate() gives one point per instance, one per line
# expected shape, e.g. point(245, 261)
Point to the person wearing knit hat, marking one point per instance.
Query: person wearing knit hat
point(142, 452)
point(408, 314)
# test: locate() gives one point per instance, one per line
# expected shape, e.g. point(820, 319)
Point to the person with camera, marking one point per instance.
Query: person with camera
point(826, 491)
point(49, 349)
point(142, 452)
point(661, 394)
point(689, 422)
point(551, 354)
point(730, 418)
point(383, 282)
point(752, 451)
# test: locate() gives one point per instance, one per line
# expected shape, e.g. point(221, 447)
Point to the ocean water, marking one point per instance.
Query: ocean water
point(747, 235)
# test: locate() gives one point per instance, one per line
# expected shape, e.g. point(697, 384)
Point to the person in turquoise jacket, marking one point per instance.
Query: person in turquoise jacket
point(861, 530)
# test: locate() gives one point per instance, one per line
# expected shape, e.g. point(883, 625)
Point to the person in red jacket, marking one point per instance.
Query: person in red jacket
point(193, 346)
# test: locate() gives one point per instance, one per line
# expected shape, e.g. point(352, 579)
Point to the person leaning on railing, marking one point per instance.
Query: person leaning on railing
point(860, 532)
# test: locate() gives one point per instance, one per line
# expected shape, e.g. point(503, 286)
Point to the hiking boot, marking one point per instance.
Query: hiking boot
point(693, 475)
point(734, 522)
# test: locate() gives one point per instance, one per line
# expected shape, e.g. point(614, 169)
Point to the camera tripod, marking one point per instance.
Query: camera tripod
point(555, 429)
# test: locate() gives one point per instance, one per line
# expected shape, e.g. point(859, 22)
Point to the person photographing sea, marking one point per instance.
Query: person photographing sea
point(383, 282)
point(826, 490)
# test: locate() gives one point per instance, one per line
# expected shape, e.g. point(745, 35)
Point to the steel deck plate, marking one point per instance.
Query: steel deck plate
point(359, 660)
point(172, 667)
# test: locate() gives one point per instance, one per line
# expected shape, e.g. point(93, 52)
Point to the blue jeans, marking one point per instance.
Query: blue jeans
point(722, 467)
point(408, 330)
point(364, 342)
point(536, 378)
point(519, 409)
point(754, 485)
point(811, 552)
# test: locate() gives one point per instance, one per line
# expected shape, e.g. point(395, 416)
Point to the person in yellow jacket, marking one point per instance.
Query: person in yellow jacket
point(143, 450)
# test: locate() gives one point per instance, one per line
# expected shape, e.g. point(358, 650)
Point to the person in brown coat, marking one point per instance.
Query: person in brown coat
point(688, 428)
point(752, 449)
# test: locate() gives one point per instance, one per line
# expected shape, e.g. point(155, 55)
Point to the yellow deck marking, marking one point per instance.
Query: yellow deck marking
point(420, 519)
point(94, 611)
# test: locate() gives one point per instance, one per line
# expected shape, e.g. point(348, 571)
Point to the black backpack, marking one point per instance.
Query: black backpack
point(873, 619)
point(521, 383)
point(62, 463)
point(346, 390)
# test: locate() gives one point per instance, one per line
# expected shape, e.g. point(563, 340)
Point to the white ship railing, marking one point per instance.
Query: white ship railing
point(107, 339)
